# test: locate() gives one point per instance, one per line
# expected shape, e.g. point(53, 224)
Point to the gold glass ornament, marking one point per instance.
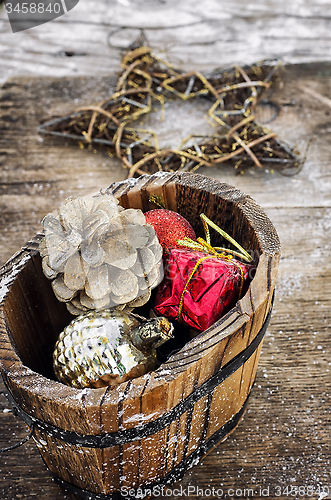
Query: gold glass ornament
point(105, 348)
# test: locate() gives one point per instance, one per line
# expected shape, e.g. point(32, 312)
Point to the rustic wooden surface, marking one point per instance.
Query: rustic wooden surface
point(199, 34)
point(283, 439)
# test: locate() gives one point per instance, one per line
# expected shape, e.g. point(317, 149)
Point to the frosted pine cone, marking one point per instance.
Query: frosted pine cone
point(100, 255)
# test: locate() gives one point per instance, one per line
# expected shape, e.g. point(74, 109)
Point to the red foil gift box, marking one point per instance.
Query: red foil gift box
point(198, 288)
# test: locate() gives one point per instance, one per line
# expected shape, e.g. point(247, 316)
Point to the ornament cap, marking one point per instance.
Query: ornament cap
point(152, 333)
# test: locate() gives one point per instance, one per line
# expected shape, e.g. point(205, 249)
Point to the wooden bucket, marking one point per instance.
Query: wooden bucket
point(148, 431)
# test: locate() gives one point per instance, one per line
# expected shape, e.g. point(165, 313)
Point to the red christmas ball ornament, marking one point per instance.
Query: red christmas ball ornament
point(169, 227)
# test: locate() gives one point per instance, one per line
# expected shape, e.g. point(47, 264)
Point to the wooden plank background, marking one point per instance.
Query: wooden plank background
point(284, 438)
point(196, 34)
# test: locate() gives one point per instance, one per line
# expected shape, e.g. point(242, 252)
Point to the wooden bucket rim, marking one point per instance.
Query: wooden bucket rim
point(235, 319)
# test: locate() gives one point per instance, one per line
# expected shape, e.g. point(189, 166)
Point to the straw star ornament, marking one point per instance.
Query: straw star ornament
point(146, 81)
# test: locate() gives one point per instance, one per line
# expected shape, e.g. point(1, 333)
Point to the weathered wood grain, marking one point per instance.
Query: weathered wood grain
point(198, 35)
point(283, 438)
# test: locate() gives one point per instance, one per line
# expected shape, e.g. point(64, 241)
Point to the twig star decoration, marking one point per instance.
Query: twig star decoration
point(146, 81)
